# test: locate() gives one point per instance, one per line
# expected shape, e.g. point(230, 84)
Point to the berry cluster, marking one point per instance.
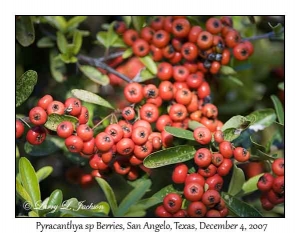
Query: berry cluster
point(272, 188)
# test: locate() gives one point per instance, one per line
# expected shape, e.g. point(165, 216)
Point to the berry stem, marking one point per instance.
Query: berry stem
point(100, 122)
point(97, 62)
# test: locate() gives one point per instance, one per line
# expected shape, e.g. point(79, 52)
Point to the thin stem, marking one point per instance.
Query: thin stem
point(111, 56)
point(263, 36)
point(100, 64)
point(100, 122)
point(24, 120)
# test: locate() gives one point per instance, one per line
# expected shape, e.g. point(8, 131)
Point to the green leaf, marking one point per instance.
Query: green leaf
point(194, 124)
point(236, 81)
point(278, 108)
point(68, 59)
point(77, 42)
point(127, 53)
point(277, 29)
point(45, 42)
point(149, 63)
point(127, 20)
point(95, 75)
point(74, 22)
point(118, 43)
point(81, 213)
point(17, 152)
point(62, 42)
point(156, 198)
point(143, 75)
point(133, 197)
point(57, 67)
point(72, 203)
point(251, 184)
point(25, 86)
point(112, 36)
point(55, 199)
point(102, 207)
point(29, 180)
point(169, 156)
point(58, 22)
point(109, 194)
point(233, 128)
point(136, 213)
point(138, 22)
point(240, 208)
point(102, 38)
point(180, 133)
point(49, 146)
point(236, 122)
point(91, 98)
point(281, 86)
point(22, 192)
point(228, 71)
point(237, 181)
point(25, 33)
point(261, 119)
point(55, 119)
point(44, 172)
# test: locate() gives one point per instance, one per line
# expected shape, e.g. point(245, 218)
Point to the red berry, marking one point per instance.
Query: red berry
point(172, 202)
point(65, 129)
point(74, 144)
point(73, 106)
point(180, 173)
point(202, 135)
point(84, 132)
point(38, 116)
point(36, 135)
point(19, 128)
point(45, 101)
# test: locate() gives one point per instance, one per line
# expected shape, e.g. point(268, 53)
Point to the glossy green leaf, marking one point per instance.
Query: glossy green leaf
point(45, 42)
point(236, 81)
point(74, 22)
point(57, 67)
point(68, 59)
point(237, 181)
point(127, 20)
point(133, 197)
point(261, 119)
point(71, 203)
point(109, 194)
point(81, 213)
point(149, 63)
point(62, 42)
point(136, 182)
point(261, 155)
point(44, 172)
point(251, 184)
point(55, 199)
point(112, 36)
point(25, 33)
point(102, 38)
point(25, 86)
point(143, 76)
point(22, 192)
point(77, 42)
point(55, 119)
point(127, 53)
point(138, 22)
point(240, 208)
point(58, 22)
point(29, 180)
point(118, 43)
point(49, 146)
point(33, 214)
point(95, 75)
point(102, 207)
point(136, 214)
point(194, 124)
point(91, 98)
point(278, 108)
point(156, 198)
point(237, 122)
point(227, 70)
point(281, 86)
point(169, 156)
point(233, 128)
point(180, 133)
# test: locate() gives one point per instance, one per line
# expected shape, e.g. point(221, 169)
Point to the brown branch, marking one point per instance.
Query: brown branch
point(98, 62)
